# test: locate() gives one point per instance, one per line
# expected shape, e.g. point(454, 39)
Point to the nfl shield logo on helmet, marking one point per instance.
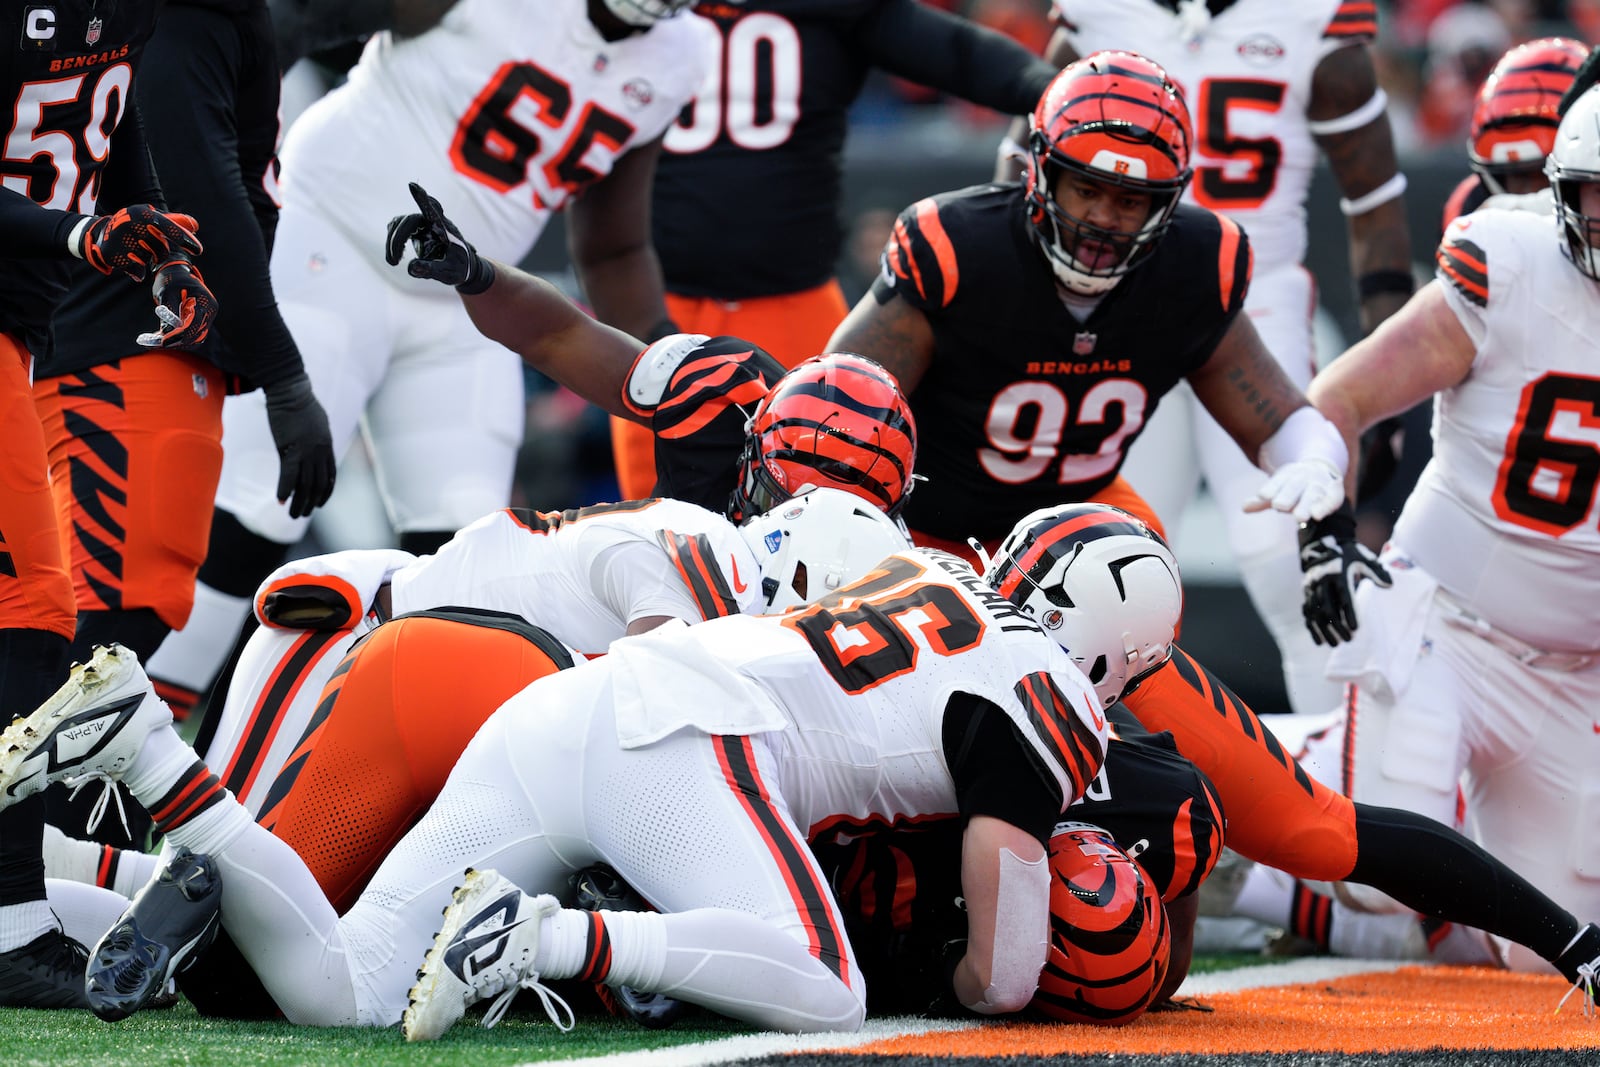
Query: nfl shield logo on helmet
point(92, 35)
point(1083, 343)
point(773, 540)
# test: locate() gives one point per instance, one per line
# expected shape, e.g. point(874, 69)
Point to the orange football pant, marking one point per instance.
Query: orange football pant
point(792, 327)
point(135, 450)
point(389, 726)
point(35, 589)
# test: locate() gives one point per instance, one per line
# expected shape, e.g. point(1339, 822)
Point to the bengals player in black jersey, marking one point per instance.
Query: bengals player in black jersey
point(77, 185)
point(763, 144)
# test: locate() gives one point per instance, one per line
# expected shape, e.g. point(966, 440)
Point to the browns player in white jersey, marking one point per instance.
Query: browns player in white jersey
point(918, 691)
point(509, 114)
point(1268, 86)
point(1485, 656)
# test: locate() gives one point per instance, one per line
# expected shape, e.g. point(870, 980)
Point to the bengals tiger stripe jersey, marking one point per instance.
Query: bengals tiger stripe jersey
point(1023, 406)
point(579, 574)
point(901, 892)
point(699, 394)
point(1247, 79)
point(1505, 515)
point(66, 85)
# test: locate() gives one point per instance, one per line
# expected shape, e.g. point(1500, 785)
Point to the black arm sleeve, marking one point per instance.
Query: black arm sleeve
point(996, 770)
point(954, 55)
point(203, 118)
point(29, 231)
point(130, 174)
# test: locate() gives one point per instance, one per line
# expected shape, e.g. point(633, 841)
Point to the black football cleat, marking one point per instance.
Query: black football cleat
point(599, 887)
point(170, 922)
point(47, 972)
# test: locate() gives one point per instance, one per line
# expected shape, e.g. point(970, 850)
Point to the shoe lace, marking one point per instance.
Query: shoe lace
point(1588, 978)
point(554, 1007)
point(108, 794)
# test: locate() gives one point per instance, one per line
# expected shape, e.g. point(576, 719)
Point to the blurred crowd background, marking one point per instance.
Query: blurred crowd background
point(908, 142)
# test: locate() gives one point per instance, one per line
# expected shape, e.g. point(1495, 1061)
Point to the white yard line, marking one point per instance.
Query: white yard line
point(1313, 969)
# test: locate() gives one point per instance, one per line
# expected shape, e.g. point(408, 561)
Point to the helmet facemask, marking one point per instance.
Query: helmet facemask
point(1113, 119)
point(1573, 163)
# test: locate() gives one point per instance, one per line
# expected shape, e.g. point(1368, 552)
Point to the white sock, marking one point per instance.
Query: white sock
point(21, 923)
point(86, 911)
point(89, 862)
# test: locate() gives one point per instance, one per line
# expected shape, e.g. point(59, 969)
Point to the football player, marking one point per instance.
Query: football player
point(1268, 86)
point(513, 114)
point(75, 184)
point(1278, 814)
point(1514, 123)
point(747, 195)
point(1483, 657)
point(757, 726)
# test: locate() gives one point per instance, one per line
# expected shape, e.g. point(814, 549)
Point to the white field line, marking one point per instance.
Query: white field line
point(1313, 969)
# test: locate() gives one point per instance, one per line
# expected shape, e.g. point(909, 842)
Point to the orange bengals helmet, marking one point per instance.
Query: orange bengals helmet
point(1110, 943)
point(1514, 123)
point(1115, 118)
point(837, 421)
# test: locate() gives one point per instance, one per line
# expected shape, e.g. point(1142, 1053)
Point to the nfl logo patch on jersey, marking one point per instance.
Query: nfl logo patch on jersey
point(92, 35)
point(1083, 343)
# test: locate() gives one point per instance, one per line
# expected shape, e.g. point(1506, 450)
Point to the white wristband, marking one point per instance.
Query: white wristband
point(1305, 434)
point(1355, 120)
point(1379, 196)
point(75, 238)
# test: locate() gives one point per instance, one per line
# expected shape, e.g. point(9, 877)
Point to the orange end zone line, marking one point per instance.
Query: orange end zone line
point(1408, 1009)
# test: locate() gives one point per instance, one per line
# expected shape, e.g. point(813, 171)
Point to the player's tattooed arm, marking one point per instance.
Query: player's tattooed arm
point(1364, 165)
point(886, 328)
point(1245, 389)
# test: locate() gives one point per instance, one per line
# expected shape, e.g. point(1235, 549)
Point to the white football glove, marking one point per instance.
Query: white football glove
point(1308, 489)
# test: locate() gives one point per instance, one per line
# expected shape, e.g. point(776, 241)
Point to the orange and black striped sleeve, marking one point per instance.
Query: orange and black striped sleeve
point(919, 262)
point(697, 564)
point(1235, 264)
point(1354, 20)
point(1462, 264)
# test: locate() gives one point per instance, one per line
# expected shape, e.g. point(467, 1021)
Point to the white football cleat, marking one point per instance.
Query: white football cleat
point(485, 948)
point(92, 728)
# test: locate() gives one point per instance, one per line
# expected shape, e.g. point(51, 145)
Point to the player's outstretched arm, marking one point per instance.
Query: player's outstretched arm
point(526, 314)
point(1011, 158)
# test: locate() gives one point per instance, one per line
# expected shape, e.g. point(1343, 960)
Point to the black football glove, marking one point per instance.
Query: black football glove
point(183, 304)
point(1332, 561)
point(443, 255)
point(306, 463)
point(136, 239)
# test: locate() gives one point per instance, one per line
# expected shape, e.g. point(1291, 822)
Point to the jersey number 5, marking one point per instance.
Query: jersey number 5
point(500, 136)
point(1253, 172)
point(67, 152)
point(1552, 465)
point(863, 633)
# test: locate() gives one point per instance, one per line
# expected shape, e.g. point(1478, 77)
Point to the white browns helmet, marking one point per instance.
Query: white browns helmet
point(816, 543)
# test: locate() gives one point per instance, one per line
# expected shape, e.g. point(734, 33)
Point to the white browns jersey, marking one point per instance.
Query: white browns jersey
point(1504, 516)
point(503, 112)
point(585, 574)
point(1247, 80)
point(851, 692)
